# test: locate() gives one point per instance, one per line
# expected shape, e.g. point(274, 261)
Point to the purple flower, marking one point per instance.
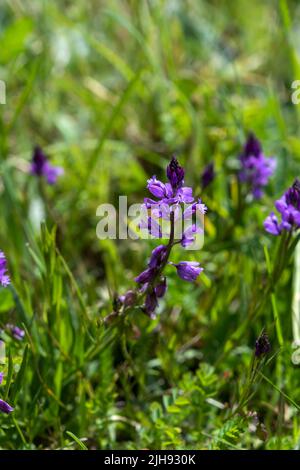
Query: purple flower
point(5, 407)
point(161, 288)
point(151, 303)
point(40, 166)
point(175, 174)
point(16, 331)
point(262, 345)
point(157, 256)
point(288, 207)
point(252, 146)
point(208, 175)
point(4, 278)
point(188, 270)
point(1, 377)
point(172, 192)
point(159, 189)
point(256, 168)
point(271, 224)
point(146, 276)
point(189, 235)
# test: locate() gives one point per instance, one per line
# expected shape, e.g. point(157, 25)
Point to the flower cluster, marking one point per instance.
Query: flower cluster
point(288, 207)
point(4, 278)
point(170, 196)
point(40, 166)
point(256, 168)
point(4, 406)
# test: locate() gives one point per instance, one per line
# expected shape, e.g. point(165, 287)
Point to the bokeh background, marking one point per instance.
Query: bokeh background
point(110, 90)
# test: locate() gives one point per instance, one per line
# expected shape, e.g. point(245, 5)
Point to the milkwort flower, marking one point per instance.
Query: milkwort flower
point(170, 196)
point(40, 166)
point(4, 278)
point(256, 167)
point(288, 207)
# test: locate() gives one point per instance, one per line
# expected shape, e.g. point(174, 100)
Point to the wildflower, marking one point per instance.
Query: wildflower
point(161, 288)
point(5, 407)
point(188, 270)
point(40, 166)
point(171, 195)
point(271, 224)
point(145, 276)
point(4, 278)
point(159, 189)
point(1, 377)
point(208, 175)
point(16, 331)
point(157, 256)
point(172, 192)
point(256, 168)
point(189, 235)
point(262, 345)
point(151, 303)
point(288, 207)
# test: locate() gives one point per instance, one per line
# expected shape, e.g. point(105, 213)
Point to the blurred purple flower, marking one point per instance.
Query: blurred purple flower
point(288, 207)
point(40, 166)
point(146, 276)
point(161, 288)
point(5, 407)
point(271, 224)
point(1, 377)
point(188, 270)
point(4, 278)
point(208, 175)
point(256, 168)
point(151, 303)
point(15, 331)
